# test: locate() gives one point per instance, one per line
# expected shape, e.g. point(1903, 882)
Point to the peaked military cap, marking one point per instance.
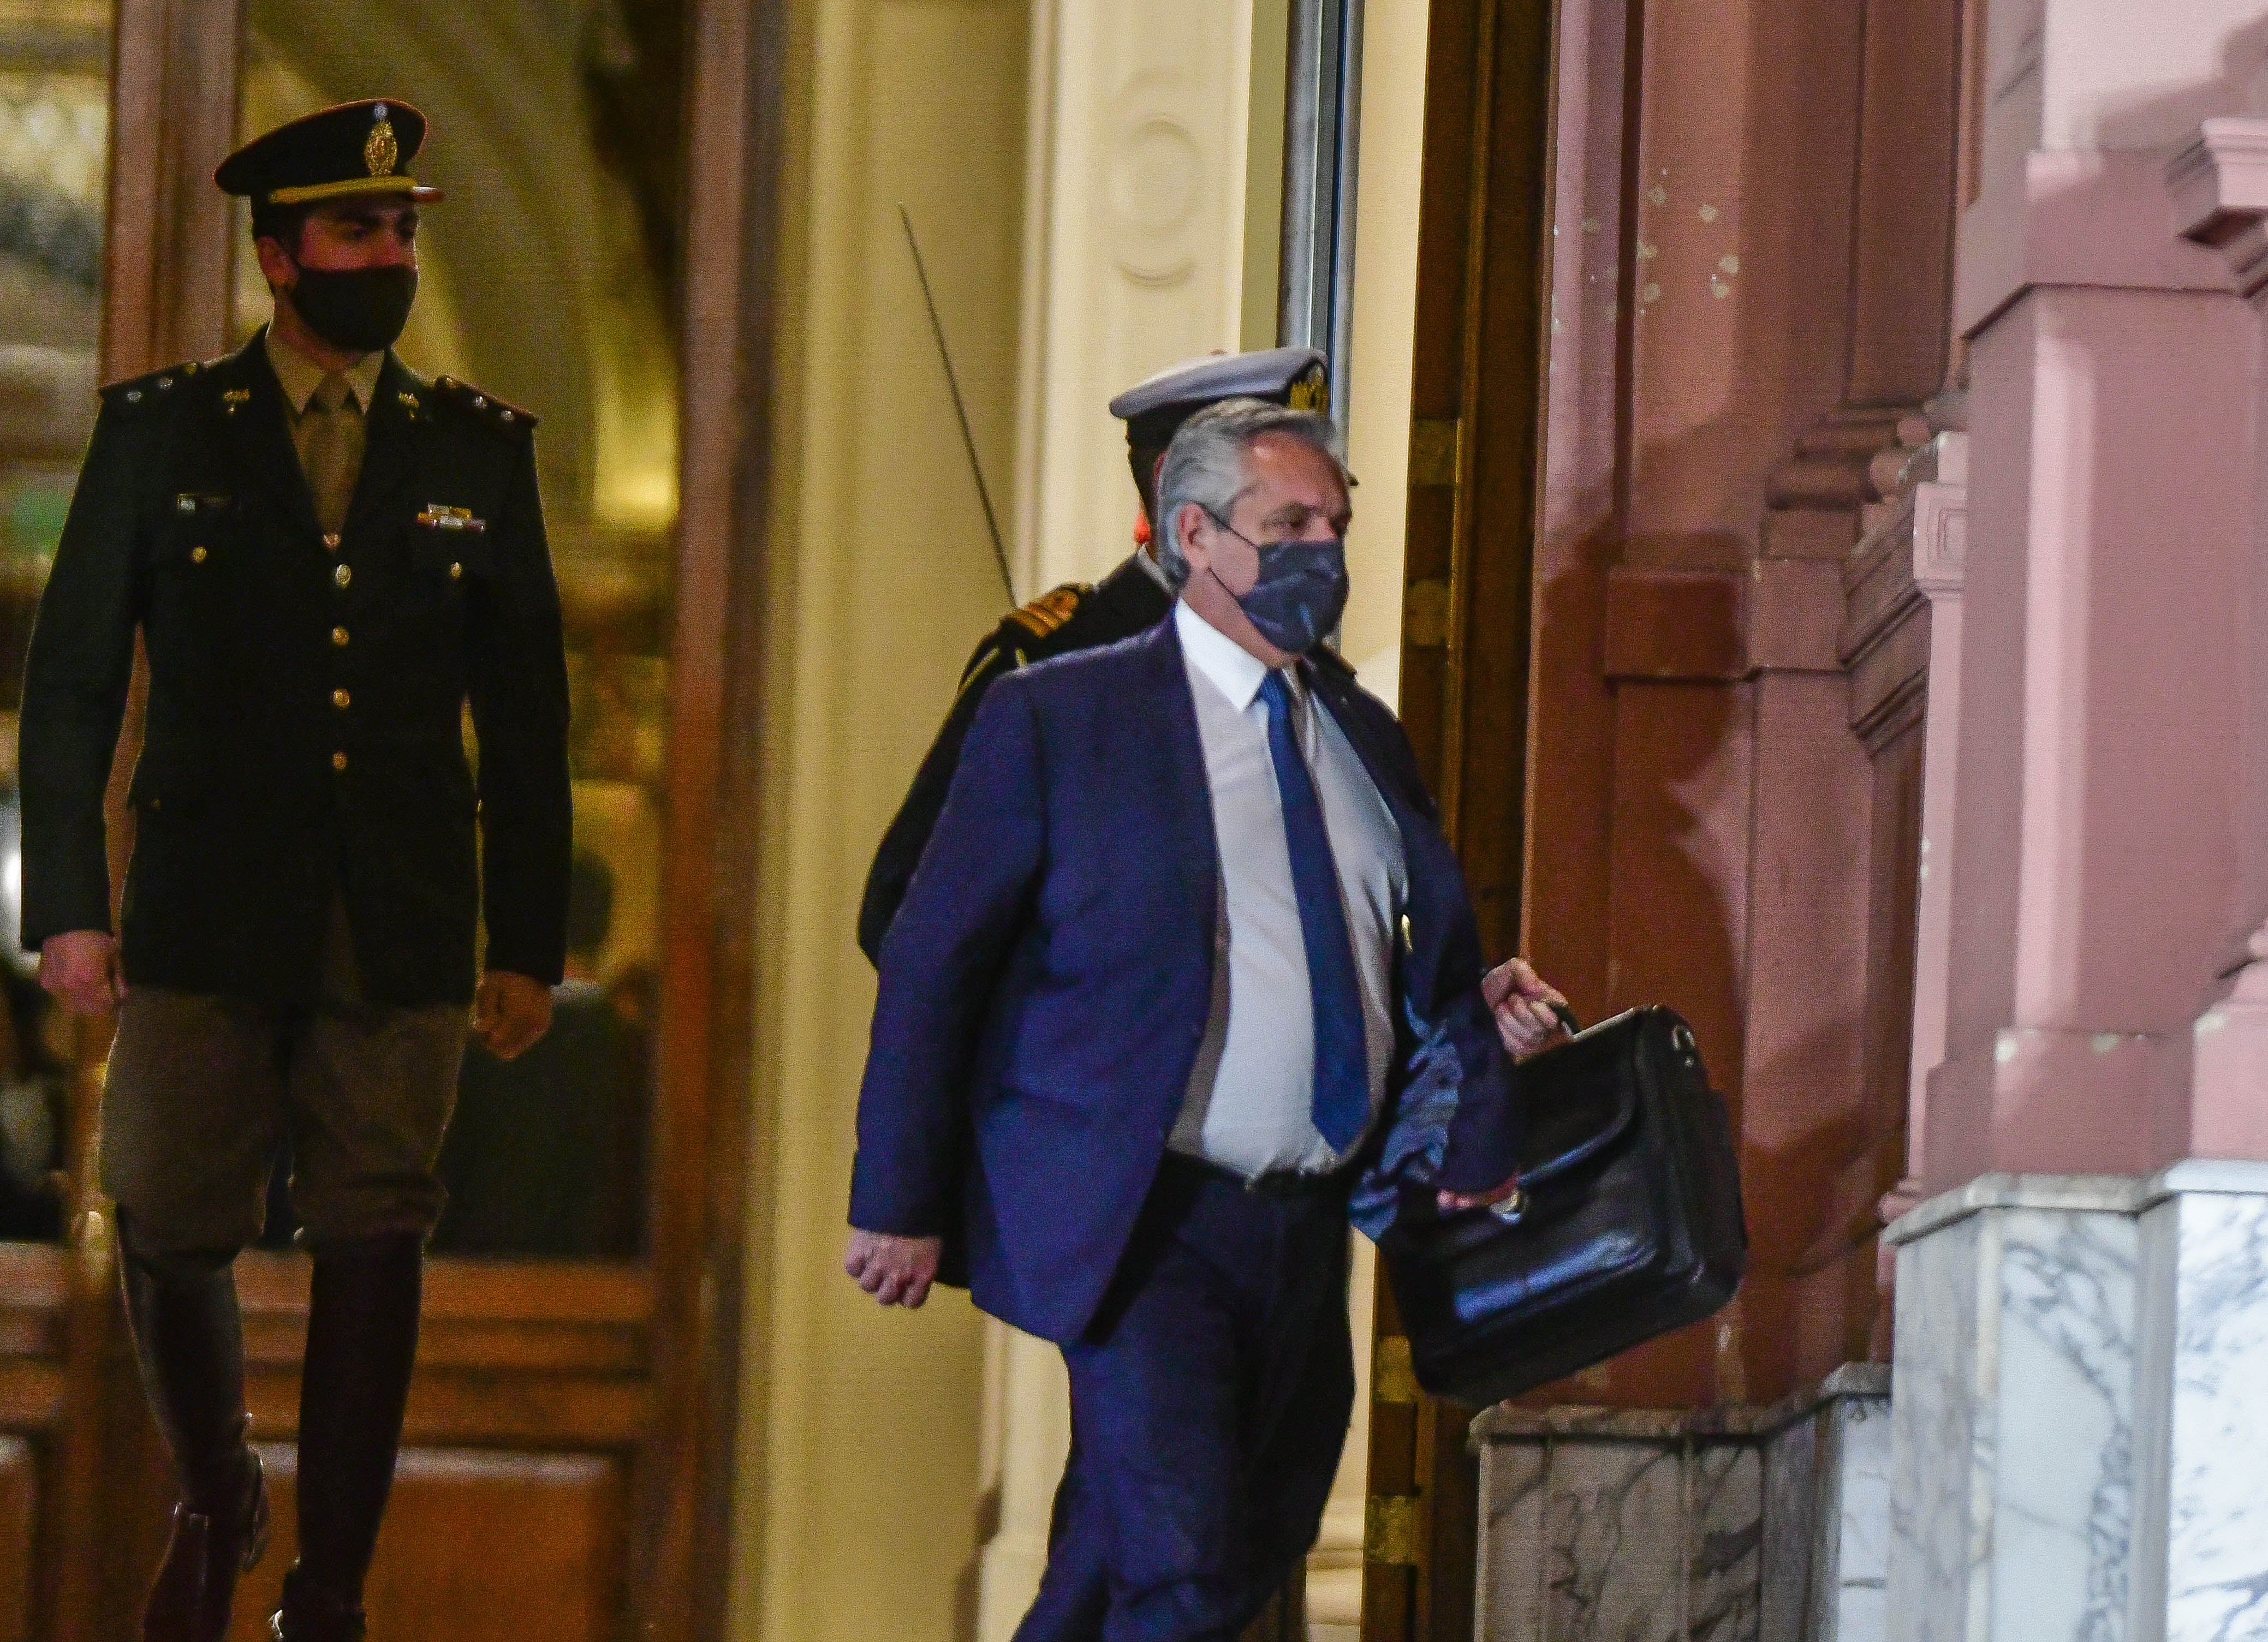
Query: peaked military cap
point(350, 149)
point(1154, 408)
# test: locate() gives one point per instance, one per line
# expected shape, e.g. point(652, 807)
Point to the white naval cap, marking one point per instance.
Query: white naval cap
point(1154, 407)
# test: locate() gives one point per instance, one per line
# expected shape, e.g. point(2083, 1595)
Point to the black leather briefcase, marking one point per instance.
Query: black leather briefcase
point(1628, 1223)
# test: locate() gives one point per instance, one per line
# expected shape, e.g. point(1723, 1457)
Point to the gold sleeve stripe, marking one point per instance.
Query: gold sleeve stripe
point(1044, 615)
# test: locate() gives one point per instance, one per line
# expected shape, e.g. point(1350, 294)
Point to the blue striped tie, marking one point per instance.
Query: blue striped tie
point(1341, 1058)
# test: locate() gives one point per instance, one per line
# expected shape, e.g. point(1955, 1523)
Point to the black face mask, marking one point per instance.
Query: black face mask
point(359, 309)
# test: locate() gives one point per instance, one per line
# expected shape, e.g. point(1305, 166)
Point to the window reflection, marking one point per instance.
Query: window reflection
point(550, 277)
point(55, 57)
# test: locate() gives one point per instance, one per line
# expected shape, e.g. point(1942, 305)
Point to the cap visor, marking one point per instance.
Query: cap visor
point(354, 188)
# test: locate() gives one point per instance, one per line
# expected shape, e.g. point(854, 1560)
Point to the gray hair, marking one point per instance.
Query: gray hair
point(1205, 464)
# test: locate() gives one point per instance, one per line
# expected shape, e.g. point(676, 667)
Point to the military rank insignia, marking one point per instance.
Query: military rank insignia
point(1048, 611)
point(438, 517)
point(1311, 392)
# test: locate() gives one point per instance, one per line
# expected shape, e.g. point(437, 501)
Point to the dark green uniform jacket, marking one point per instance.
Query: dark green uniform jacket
point(304, 738)
point(1130, 600)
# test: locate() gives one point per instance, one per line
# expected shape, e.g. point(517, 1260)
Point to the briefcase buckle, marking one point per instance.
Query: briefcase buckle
point(1510, 1209)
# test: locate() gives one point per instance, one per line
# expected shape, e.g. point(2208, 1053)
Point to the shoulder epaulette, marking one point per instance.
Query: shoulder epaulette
point(498, 413)
point(1046, 614)
point(137, 392)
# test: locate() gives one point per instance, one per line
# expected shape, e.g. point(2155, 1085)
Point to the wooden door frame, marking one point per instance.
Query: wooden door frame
point(681, 1552)
point(1477, 407)
point(175, 79)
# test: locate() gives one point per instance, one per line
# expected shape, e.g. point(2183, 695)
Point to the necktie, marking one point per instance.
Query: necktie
point(1342, 1058)
point(330, 449)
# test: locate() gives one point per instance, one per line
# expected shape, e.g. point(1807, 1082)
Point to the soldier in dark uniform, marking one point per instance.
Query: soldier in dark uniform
point(326, 557)
point(1132, 599)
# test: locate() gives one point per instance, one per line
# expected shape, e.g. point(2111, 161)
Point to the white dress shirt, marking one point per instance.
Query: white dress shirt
point(1250, 1105)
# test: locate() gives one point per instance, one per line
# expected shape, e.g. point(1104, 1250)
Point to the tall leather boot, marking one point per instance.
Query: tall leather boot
point(188, 1339)
point(362, 1342)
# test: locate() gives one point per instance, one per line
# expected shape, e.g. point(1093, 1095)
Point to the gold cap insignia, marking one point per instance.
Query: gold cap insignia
point(379, 150)
point(1310, 393)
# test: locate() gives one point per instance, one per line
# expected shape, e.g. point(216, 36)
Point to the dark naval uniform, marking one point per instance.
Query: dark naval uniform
point(303, 746)
point(1132, 599)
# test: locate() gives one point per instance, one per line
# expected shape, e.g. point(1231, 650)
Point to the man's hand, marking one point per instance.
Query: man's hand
point(81, 968)
point(1521, 1002)
point(510, 1012)
point(895, 1270)
point(1457, 1202)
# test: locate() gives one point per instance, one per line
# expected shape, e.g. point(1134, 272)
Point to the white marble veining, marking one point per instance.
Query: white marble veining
point(1850, 1571)
point(1793, 1493)
point(1699, 1525)
point(2062, 1476)
point(1725, 1534)
point(1612, 1571)
point(2013, 1429)
point(2079, 1453)
point(1511, 1573)
point(1939, 1422)
point(2205, 1373)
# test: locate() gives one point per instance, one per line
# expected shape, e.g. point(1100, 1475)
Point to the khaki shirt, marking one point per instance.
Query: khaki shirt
point(299, 376)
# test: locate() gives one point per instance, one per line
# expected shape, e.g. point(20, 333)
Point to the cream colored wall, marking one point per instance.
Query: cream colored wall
point(859, 1509)
point(1385, 326)
point(1389, 159)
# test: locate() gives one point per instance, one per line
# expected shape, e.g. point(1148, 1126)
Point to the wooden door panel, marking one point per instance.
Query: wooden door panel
point(479, 1546)
point(20, 1521)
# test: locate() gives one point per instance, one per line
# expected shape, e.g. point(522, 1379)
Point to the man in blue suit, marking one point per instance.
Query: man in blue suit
point(1187, 975)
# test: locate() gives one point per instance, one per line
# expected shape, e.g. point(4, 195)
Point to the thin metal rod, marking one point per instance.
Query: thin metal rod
point(960, 409)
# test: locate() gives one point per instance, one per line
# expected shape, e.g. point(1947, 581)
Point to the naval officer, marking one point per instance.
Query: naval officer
point(1132, 599)
point(326, 557)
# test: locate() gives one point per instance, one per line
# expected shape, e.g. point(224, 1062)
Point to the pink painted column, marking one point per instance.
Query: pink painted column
point(2081, 1322)
point(2220, 184)
point(2110, 514)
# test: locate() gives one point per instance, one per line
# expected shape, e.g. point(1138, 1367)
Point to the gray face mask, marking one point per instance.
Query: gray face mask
point(1300, 594)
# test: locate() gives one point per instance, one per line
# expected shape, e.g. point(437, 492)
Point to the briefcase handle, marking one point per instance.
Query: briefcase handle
point(1510, 1209)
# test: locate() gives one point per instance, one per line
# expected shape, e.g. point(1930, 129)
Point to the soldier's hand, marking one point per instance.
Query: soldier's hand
point(81, 968)
point(510, 1012)
point(896, 1271)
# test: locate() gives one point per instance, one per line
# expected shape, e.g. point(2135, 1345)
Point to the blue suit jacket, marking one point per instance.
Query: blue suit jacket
point(1047, 984)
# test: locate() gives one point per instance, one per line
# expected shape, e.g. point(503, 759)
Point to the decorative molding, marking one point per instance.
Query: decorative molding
point(1133, 253)
point(1914, 558)
point(2220, 184)
point(2074, 218)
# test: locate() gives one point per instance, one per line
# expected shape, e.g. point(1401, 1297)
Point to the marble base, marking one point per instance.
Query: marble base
point(2078, 1450)
point(1736, 1524)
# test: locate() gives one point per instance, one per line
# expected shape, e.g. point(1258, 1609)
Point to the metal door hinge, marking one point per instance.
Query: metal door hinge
point(1390, 1530)
point(1392, 1378)
point(1425, 614)
point(1437, 448)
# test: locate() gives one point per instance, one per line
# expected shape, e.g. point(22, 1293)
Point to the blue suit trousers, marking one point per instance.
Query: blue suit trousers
point(1210, 1403)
